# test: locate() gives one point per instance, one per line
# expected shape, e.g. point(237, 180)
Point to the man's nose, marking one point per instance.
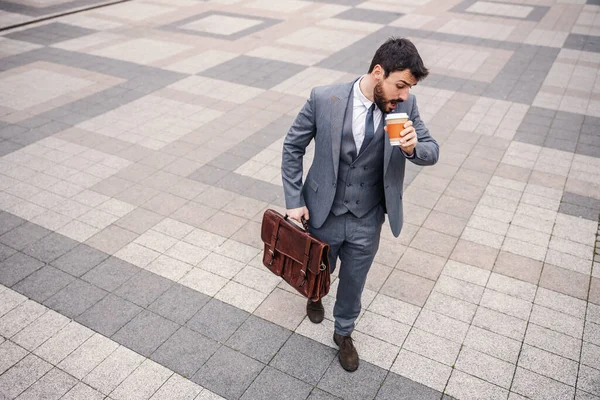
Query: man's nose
point(403, 95)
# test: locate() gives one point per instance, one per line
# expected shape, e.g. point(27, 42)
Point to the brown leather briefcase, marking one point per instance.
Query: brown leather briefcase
point(294, 254)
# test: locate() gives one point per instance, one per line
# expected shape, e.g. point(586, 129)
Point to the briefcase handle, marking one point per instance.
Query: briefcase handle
point(304, 222)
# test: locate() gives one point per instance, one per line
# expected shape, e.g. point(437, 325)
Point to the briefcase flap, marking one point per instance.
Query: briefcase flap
point(291, 240)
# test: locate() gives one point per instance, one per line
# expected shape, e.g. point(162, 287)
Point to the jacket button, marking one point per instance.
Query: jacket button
point(357, 201)
point(362, 184)
point(345, 201)
point(349, 184)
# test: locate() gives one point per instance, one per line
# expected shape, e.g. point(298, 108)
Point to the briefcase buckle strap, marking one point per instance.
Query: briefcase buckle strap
point(274, 240)
point(272, 257)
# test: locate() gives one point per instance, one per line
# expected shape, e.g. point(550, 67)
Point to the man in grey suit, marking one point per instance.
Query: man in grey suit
point(357, 175)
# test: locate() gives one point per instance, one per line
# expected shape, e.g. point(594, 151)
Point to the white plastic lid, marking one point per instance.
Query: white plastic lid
point(396, 116)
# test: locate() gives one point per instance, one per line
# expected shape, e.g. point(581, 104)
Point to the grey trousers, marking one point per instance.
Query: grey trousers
point(355, 242)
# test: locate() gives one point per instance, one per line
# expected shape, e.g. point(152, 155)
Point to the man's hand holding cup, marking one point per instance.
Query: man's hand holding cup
point(401, 132)
point(408, 138)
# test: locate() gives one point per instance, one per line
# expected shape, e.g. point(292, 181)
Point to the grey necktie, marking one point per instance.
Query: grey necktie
point(369, 129)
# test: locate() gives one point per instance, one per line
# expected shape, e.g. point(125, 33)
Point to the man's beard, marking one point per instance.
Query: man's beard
point(381, 101)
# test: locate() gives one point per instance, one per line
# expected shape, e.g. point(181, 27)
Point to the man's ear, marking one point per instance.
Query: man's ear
point(378, 73)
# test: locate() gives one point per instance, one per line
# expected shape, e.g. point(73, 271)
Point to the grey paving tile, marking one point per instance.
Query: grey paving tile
point(17, 267)
point(584, 201)
point(565, 281)
point(587, 149)
point(304, 358)
point(474, 254)
point(273, 384)
point(264, 191)
point(179, 303)
point(74, 299)
point(581, 395)
point(22, 375)
point(578, 211)
point(139, 221)
point(366, 15)
point(80, 260)
point(9, 221)
point(258, 339)
point(318, 394)
point(362, 383)
point(43, 283)
point(396, 387)
point(484, 367)
point(582, 42)
point(10, 131)
point(143, 288)
point(560, 144)
point(81, 391)
point(24, 235)
point(227, 161)
point(235, 183)
point(464, 386)
point(111, 273)
point(592, 333)
point(254, 71)
point(588, 380)
point(536, 386)
point(6, 252)
point(408, 287)
point(594, 296)
point(515, 266)
point(217, 320)
point(208, 174)
point(185, 351)
point(145, 333)
point(111, 239)
point(109, 315)
point(50, 247)
point(218, 375)
point(10, 354)
point(53, 385)
point(530, 137)
point(50, 33)
point(493, 344)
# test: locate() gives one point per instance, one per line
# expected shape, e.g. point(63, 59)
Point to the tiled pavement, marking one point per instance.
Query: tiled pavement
point(140, 144)
point(15, 13)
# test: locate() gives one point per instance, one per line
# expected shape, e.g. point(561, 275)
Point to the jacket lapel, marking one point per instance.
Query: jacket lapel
point(387, 152)
point(338, 101)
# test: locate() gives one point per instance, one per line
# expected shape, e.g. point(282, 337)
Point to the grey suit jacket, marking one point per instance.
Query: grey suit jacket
point(321, 119)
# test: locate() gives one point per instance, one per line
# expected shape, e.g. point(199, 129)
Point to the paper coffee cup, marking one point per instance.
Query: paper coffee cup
point(395, 124)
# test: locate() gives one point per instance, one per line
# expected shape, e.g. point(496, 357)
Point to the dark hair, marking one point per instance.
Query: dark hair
point(398, 54)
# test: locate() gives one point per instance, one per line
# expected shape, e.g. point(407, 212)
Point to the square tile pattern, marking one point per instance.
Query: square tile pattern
point(221, 25)
point(136, 163)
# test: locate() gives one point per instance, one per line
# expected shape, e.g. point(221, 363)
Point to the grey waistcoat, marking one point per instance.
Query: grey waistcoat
point(360, 177)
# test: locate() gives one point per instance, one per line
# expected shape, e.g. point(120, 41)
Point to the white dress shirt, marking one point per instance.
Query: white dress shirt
point(359, 115)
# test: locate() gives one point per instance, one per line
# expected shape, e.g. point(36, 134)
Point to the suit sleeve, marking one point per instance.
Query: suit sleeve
point(297, 139)
point(427, 150)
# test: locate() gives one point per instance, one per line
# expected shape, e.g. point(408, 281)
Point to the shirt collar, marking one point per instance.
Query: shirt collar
point(358, 94)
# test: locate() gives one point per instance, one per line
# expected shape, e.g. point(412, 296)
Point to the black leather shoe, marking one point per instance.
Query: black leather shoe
point(315, 311)
point(348, 355)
